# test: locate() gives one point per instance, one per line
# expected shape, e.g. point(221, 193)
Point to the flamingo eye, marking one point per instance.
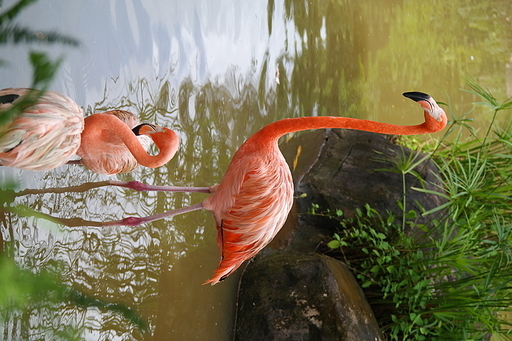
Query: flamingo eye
point(435, 111)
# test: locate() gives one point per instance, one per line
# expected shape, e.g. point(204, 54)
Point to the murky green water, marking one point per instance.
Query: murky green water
point(209, 70)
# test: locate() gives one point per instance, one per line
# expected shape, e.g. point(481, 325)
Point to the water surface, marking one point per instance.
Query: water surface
point(216, 72)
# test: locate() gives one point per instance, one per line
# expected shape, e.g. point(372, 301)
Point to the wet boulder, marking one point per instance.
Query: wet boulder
point(298, 296)
point(354, 168)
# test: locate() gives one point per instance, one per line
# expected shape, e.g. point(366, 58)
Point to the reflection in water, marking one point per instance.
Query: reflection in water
point(207, 70)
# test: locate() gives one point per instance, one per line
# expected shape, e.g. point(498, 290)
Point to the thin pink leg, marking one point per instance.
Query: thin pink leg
point(136, 221)
point(71, 222)
point(138, 186)
point(79, 188)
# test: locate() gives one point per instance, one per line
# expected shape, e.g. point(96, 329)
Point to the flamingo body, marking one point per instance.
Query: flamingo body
point(109, 146)
point(253, 200)
point(109, 155)
point(250, 205)
point(45, 135)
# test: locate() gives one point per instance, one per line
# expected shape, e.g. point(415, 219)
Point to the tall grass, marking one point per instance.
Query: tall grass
point(453, 280)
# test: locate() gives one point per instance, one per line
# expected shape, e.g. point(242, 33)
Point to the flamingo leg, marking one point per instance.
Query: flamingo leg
point(136, 221)
point(74, 162)
point(130, 221)
point(79, 188)
point(138, 186)
point(71, 222)
point(135, 185)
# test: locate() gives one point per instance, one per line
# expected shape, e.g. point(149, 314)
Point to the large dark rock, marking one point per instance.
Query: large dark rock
point(293, 296)
point(354, 168)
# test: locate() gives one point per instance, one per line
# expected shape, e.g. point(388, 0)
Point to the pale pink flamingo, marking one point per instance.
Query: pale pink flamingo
point(45, 135)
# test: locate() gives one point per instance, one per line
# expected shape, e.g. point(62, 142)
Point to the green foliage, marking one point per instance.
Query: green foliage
point(43, 68)
point(454, 281)
point(44, 71)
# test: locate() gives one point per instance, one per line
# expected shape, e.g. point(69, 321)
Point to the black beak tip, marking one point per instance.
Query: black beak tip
point(416, 96)
point(137, 130)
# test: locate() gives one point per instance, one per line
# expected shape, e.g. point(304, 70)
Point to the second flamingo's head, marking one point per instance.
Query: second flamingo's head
point(146, 129)
point(165, 139)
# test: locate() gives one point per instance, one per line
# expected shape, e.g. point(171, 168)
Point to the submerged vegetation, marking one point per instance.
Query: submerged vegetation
point(451, 278)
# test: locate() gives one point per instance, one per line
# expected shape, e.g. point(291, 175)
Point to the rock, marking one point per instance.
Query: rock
point(293, 296)
point(355, 168)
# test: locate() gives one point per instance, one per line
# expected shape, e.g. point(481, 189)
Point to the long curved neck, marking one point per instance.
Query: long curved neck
point(166, 141)
point(279, 128)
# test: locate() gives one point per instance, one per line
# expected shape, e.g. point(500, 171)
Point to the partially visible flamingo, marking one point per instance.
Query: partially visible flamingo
point(252, 202)
point(45, 135)
point(115, 142)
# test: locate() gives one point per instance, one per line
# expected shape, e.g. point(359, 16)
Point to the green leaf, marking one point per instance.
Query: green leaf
point(13, 12)
point(334, 244)
point(44, 70)
point(380, 235)
point(375, 269)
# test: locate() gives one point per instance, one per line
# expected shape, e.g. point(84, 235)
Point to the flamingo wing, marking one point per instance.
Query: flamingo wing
point(251, 210)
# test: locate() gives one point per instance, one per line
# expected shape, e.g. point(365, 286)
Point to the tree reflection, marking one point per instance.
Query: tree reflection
point(353, 59)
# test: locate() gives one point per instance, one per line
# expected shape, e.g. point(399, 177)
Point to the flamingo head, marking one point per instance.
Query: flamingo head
point(428, 103)
point(165, 139)
point(146, 129)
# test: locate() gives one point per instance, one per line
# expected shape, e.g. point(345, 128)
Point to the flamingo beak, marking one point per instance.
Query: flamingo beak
point(428, 104)
point(146, 129)
point(417, 96)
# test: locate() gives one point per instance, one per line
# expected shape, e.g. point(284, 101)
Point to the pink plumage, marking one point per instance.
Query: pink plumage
point(45, 135)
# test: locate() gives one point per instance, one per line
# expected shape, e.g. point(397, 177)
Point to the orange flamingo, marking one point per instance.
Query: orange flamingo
point(113, 142)
point(45, 135)
point(252, 202)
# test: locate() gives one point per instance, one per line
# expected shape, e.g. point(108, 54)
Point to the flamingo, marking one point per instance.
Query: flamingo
point(253, 199)
point(45, 135)
point(115, 142)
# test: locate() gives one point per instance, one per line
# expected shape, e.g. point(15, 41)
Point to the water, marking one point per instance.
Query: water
point(216, 72)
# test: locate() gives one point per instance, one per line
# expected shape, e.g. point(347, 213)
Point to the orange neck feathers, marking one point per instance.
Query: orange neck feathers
point(277, 129)
point(165, 139)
